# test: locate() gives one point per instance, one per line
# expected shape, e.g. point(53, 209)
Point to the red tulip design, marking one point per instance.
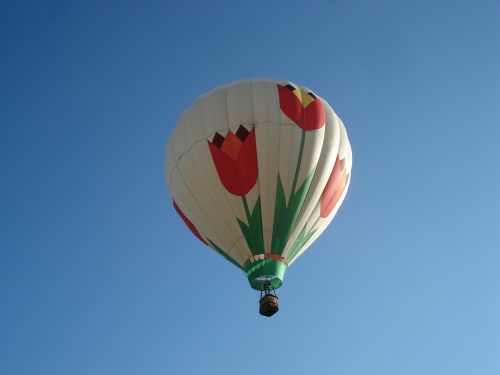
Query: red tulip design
point(302, 107)
point(235, 158)
point(305, 110)
point(334, 188)
point(189, 224)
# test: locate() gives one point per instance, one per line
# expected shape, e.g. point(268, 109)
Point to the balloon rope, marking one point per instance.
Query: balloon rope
point(299, 160)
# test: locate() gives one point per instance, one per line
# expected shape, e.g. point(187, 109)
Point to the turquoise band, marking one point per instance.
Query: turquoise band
point(264, 271)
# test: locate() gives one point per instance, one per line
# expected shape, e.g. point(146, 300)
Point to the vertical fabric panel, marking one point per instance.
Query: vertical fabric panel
point(317, 224)
point(267, 118)
point(326, 161)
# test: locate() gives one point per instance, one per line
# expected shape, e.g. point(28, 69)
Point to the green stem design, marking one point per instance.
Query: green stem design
point(245, 204)
point(285, 215)
point(300, 242)
point(299, 160)
point(316, 222)
point(252, 230)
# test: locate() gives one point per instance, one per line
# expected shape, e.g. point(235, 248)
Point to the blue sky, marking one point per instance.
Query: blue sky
point(406, 280)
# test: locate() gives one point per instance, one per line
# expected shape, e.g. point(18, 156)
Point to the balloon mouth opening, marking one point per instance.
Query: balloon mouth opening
point(266, 273)
point(260, 282)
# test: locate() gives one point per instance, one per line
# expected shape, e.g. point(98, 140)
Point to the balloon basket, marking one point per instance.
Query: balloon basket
point(268, 303)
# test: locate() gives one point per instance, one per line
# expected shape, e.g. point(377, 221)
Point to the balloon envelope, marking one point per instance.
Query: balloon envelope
point(257, 170)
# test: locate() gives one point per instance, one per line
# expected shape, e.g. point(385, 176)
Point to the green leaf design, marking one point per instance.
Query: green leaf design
point(285, 216)
point(300, 242)
point(253, 231)
point(279, 211)
point(223, 253)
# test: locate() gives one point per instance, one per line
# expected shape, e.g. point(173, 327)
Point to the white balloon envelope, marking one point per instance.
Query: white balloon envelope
point(257, 169)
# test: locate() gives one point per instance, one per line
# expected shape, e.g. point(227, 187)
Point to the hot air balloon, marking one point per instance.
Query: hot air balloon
point(257, 169)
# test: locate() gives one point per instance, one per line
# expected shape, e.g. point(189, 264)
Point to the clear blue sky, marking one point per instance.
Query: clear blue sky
point(407, 279)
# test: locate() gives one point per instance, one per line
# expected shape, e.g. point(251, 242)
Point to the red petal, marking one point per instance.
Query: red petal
point(336, 183)
point(227, 171)
point(330, 205)
point(247, 163)
point(311, 117)
point(314, 117)
point(291, 105)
